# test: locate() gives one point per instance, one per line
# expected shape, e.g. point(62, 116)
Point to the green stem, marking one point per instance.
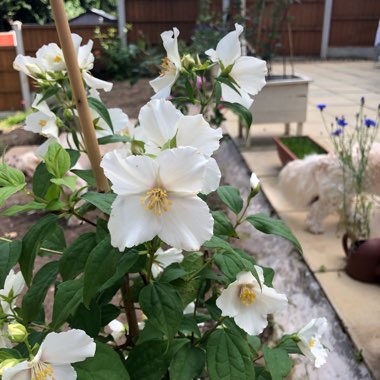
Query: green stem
point(41, 249)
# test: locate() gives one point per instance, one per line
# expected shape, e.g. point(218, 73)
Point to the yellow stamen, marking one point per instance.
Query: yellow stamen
point(312, 342)
point(247, 295)
point(57, 59)
point(42, 123)
point(42, 371)
point(167, 66)
point(156, 200)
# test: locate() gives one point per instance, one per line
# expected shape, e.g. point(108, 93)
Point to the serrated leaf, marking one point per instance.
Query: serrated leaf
point(9, 255)
point(74, 156)
point(57, 160)
point(267, 225)
point(230, 196)
point(9, 353)
point(95, 278)
point(228, 356)
point(67, 299)
point(105, 365)
point(217, 242)
point(87, 319)
point(187, 363)
point(36, 294)
point(101, 109)
point(277, 362)
point(10, 176)
point(162, 304)
point(222, 225)
point(41, 180)
point(102, 201)
point(15, 209)
point(32, 242)
point(8, 191)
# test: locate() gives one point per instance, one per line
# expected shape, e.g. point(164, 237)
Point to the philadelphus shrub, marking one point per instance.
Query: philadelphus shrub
point(155, 289)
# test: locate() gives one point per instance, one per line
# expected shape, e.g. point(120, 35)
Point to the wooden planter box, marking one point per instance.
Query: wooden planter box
point(309, 147)
point(282, 100)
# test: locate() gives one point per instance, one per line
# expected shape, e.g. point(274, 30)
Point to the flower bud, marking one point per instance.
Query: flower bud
point(255, 184)
point(7, 363)
point(68, 114)
point(187, 61)
point(17, 332)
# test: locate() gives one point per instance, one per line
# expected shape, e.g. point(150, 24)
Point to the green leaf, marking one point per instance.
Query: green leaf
point(74, 156)
point(290, 346)
point(87, 319)
point(105, 365)
point(32, 242)
point(228, 83)
point(11, 177)
point(230, 196)
point(113, 139)
point(36, 294)
point(108, 313)
point(68, 181)
point(101, 229)
point(15, 209)
point(100, 108)
point(48, 93)
point(9, 255)
point(85, 175)
point(222, 225)
point(219, 243)
point(9, 353)
point(55, 241)
point(148, 360)
point(162, 304)
point(7, 191)
point(102, 201)
point(187, 363)
point(244, 113)
point(228, 356)
point(172, 272)
point(67, 299)
point(57, 160)
point(267, 225)
point(233, 262)
point(41, 181)
point(95, 278)
point(277, 362)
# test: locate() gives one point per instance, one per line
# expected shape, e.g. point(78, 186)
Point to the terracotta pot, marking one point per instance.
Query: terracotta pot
point(363, 259)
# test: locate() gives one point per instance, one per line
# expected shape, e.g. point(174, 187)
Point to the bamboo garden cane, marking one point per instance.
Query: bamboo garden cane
point(79, 93)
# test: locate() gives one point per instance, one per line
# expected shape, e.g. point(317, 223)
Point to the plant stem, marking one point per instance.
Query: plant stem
point(129, 308)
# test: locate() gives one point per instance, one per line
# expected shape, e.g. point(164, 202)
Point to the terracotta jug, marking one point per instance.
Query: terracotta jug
point(363, 259)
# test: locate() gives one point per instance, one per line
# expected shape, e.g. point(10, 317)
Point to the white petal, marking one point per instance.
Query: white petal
point(43, 148)
point(20, 371)
point(29, 65)
point(254, 181)
point(195, 131)
point(117, 329)
point(212, 54)
point(130, 223)
point(250, 319)
point(131, 175)
point(85, 57)
point(96, 83)
point(230, 95)
point(14, 281)
point(320, 354)
point(212, 177)
point(229, 301)
point(260, 273)
point(120, 120)
point(228, 48)
point(48, 55)
point(42, 106)
point(162, 85)
point(269, 301)
point(182, 170)
point(64, 372)
point(158, 120)
point(316, 327)
point(187, 224)
point(249, 73)
point(156, 270)
point(77, 40)
point(170, 42)
point(170, 256)
point(67, 347)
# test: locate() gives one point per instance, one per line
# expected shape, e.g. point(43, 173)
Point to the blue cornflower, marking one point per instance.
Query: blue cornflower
point(337, 132)
point(369, 122)
point(321, 106)
point(341, 121)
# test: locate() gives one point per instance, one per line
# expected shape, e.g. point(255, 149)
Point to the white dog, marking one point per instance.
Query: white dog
point(317, 181)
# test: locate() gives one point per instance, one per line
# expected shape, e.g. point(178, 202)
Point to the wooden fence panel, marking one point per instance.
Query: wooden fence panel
point(354, 22)
point(10, 90)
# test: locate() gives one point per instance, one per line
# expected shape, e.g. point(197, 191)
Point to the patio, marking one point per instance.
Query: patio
point(339, 85)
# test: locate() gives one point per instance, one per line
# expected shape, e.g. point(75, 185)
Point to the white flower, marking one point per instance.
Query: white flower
point(254, 181)
point(248, 304)
point(163, 259)
point(13, 286)
point(51, 57)
point(248, 72)
point(170, 65)
point(28, 65)
point(54, 356)
point(160, 122)
point(117, 328)
point(43, 121)
point(310, 344)
point(158, 197)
